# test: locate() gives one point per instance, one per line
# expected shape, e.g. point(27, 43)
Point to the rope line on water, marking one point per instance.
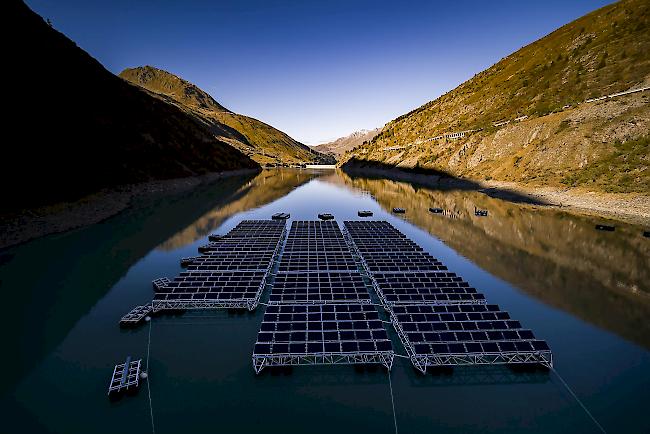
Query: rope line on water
point(392, 401)
point(591, 416)
point(153, 428)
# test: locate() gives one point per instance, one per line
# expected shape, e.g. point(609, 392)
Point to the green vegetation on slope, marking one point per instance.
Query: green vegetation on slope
point(604, 52)
point(624, 170)
point(260, 141)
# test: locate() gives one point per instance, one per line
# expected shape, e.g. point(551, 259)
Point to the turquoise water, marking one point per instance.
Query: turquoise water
point(585, 292)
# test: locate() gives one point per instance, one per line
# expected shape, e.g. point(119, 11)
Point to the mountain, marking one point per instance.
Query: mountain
point(347, 143)
point(260, 141)
point(73, 128)
point(526, 119)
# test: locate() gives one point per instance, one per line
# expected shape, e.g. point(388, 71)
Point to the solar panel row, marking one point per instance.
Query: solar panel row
point(319, 310)
point(440, 319)
point(231, 273)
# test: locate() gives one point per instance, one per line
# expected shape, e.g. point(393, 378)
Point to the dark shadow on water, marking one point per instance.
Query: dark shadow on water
point(479, 375)
point(51, 282)
point(431, 178)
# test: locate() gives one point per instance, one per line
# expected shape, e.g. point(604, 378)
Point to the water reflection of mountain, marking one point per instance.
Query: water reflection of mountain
point(557, 257)
point(53, 281)
point(266, 187)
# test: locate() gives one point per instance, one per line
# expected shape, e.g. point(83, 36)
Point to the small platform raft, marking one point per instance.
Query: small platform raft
point(605, 228)
point(137, 315)
point(326, 216)
point(480, 212)
point(186, 262)
point(364, 213)
point(399, 210)
point(436, 210)
point(160, 283)
point(281, 216)
point(126, 377)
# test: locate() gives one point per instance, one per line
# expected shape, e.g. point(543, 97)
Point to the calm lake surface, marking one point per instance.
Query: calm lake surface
point(584, 291)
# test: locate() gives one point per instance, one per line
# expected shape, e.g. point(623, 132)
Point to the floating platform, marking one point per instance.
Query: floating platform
point(321, 335)
point(126, 376)
point(440, 319)
point(326, 216)
point(281, 216)
point(231, 273)
point(364, 213)
point(136, 315)
point(320, 311)
point(399, 210)
point(436, 210)
point(606, 228)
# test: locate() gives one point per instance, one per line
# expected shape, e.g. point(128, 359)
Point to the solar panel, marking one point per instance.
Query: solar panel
point(202, 289)
point(321, 334)
point(317, 261)
point(230, 273)
point(440, 318)
point(319, 288)
point(424, 287)
point(465, 334)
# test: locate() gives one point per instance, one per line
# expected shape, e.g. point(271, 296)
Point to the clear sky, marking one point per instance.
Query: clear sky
point(317, 70)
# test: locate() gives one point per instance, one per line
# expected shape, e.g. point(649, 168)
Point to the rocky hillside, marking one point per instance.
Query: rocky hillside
point(347, 143)
point(260, 141)
point(526, 118)
point(76, 128)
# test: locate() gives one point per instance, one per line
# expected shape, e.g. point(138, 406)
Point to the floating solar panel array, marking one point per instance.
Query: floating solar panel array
point(230, 273)
point(440, 318)
point(319, 308)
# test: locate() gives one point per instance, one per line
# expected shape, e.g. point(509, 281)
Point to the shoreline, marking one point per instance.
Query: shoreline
point(631, 208)
point(29, 224)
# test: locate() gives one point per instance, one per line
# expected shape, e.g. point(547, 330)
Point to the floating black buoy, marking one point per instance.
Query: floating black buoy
point(436, 210)
point(399, 210)
point(325, 216)
point(605, 228)
point(364, 213)
point(281, 216)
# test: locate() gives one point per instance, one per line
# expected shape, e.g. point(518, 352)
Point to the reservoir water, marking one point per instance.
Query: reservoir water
point(586, 292)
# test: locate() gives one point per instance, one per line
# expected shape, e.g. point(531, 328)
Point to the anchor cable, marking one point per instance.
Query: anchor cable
point(392, 401)
point(591, 416)
point(153, 428)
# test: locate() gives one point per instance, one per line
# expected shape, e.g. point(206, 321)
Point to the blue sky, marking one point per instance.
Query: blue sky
point(316, 70)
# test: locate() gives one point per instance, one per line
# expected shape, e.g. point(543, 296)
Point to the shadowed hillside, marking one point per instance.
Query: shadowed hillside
point(260, 141)
point(526, 119)
point(77, 128)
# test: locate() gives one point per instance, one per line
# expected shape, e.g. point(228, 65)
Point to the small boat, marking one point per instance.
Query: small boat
point(606, 228)
point(325, 216)
point(436, 210)
point(646, 234)
point(280, 216)
point(399, 210)
point(364, 213)
point(480, 212)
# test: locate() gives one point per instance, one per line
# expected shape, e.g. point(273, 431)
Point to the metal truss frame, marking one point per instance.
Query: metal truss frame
point(422, 361)
point(243, 303)
point(260, 361)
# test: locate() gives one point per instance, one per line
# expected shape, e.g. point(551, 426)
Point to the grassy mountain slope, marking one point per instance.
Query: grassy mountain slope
point(604, 52)
point(260, 141)
point(77, 128)
point(344, 144)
